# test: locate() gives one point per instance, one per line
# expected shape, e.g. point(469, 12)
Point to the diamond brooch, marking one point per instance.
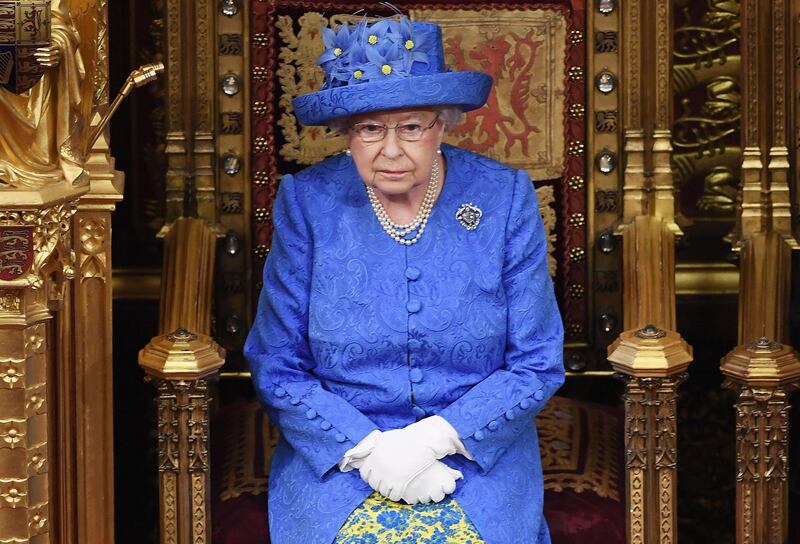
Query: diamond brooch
point(469, 215)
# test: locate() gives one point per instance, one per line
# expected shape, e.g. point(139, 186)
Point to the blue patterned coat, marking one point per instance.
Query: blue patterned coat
point(355, 332)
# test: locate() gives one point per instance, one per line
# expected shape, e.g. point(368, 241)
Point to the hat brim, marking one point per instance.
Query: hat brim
point(468, 90)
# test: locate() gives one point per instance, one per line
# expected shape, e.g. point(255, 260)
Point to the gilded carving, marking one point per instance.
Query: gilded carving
point(92, 235)
point(605, 41)
point(45, 227)
point(633, 31)
point(101, 53)
point(34, 340)
point(779, 72)
point(12, 373)
point(762, 431)
point(706, 132)
point(174, 77)
point(231, 122)
point(651, 454)
point(606, 201)
point(10, 301)
point(606, 120)
point(203, 72)
point(14, 493)
point(230, 44)
point(663, 76)
point(183, 434)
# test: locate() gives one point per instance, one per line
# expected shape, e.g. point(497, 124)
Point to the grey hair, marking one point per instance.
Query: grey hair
point(450, 115)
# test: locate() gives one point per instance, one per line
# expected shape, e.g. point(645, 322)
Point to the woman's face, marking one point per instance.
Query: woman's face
point(393, 166)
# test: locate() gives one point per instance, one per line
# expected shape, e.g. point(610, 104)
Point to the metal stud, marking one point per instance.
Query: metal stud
point(230, 84)
point(231, 163)
point(229, 8)
point(576, 361)
point(606, 242)
point(606, 161)
point(606, 6)
point(232, 244)
point(577, 254)
point(605, 82)
point(608, 322)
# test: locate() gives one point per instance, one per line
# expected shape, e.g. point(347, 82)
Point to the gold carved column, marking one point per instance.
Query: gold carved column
point(763, 373)
point(180, 362)
point(33, 241)
point(653, 363)
point(191, 184)
point(649, 355)
point(762, 369)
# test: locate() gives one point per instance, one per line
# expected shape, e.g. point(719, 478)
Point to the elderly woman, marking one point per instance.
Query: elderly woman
point(407, 331)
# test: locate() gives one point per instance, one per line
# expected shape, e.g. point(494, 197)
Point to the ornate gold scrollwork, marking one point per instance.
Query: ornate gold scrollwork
point(705, 135)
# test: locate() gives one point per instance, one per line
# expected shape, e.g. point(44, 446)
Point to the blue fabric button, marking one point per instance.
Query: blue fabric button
point(415, 375)
point(418, 412)
point(412, 272)
point(493, 425)
point(295, 401)
point(280, 392)
point(478, 435)
point(340, 437)
point(414, 344)
point(539, 395)
point(510, 414)
point(325, 425)
point(525, 404)
point(413, 306)
point(311, 413)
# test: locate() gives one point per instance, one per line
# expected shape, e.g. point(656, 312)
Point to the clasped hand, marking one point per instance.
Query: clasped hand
point(404, 463)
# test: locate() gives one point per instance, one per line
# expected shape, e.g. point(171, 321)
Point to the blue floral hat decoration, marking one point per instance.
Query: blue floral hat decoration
point(389, 64)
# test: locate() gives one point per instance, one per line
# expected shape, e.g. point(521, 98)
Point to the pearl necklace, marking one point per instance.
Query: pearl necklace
point(397, 231)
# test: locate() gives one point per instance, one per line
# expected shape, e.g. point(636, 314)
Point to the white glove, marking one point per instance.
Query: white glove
point(432, 484)
point(354, 457)
point(401, 455)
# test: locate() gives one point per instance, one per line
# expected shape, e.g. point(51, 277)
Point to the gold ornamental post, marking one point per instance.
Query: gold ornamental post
point(649, 355)
point(763, 373)
point(762, 369)
point(653, 363)
point(180, 362)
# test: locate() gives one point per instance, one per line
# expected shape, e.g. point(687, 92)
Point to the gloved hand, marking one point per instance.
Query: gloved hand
point(399, 456)
point(432, 484)
point(354, 457)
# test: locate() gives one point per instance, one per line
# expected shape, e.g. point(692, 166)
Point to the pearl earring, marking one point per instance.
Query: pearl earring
point(348, 152)
point(438, 151)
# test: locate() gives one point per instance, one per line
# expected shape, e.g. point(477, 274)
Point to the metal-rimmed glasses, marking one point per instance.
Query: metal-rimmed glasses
point(375, 132)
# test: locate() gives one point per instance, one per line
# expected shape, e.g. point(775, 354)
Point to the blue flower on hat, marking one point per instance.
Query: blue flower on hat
point(364, 53)
point(391, 63)
point(415, 45)
point(336, 44)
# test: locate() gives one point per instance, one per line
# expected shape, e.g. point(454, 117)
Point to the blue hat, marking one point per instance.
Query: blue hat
point(390, 64)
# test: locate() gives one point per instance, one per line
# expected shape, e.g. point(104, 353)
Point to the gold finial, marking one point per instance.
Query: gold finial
point(650, 332)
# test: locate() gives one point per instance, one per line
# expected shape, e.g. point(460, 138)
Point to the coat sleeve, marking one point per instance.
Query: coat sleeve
point(492, 414)
point(321, 426)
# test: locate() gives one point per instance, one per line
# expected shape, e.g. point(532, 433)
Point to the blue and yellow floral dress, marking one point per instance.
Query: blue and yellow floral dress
point(379, 520)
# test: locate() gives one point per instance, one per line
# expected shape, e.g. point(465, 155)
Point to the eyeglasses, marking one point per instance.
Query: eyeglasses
point(375, 132)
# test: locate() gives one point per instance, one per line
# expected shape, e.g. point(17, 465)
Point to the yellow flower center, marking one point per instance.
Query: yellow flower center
point(409, 44)
point(357, 74)
point(373, 39)
point(337, 51)
point(386, 69)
